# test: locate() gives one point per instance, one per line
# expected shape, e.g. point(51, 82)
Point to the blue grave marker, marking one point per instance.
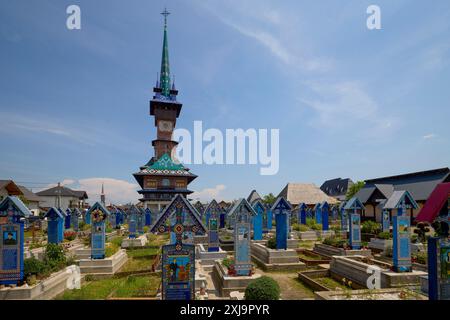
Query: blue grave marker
point(344, 217)
point(258, 220)
point(68, 219)
point(13, 212)
point(75, 215)
point(302, 212)
point(87, 217)
point(223, 215)
point(317, 213)
point(281, 208)
point(324, 209)
point(400, 202)
point(99, 214)
point(178, 259)
point(132, 222)
point(242, 212)
point(141, 221)
point(214, 211)
point(148, 217)
point(55, 232)
point(354, 209)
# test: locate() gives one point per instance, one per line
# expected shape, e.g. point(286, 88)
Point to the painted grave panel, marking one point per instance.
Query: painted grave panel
point(178, 273)
point(11, 253)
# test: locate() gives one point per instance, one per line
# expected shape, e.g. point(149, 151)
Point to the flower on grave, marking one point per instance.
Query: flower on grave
point(98, 215)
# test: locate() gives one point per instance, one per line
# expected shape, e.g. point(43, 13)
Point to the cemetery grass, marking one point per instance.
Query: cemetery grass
point(125, 287)
point(140, 259)
point(330, 283)
point(304, 244)
point(291, 287)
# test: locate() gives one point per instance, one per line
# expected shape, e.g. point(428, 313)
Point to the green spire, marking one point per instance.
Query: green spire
point(165, 71)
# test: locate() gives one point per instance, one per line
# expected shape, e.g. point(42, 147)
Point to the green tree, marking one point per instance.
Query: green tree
point(269, 199)
point(354, 189)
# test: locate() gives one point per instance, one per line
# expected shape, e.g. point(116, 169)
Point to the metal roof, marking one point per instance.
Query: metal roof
point(394, 202)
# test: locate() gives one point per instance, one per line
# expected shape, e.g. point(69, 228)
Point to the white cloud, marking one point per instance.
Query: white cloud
point(429, 136)
point(347, 106)
point(270, 28)
point(116, 191)
point(208, 194)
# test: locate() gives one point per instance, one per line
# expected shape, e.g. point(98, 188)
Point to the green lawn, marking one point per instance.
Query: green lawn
point(140, 259)
point(127, 287)
point(306, 244)
point(330, 283)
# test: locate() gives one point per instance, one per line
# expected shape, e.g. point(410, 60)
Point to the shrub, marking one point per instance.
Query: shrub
point(421, 257)
point(384, 235)
point(33, 266)
point(313, 225)
point(227, 262)
point(336, 228)
point(54, 256)
point(370, 227)
point(335, 241)
point(272, 243)
point(263, 288)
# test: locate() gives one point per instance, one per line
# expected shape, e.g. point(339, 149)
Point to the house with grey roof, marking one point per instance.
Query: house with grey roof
point(62, 197)
point(419, 184)
point(337, 188)
point(32, 200)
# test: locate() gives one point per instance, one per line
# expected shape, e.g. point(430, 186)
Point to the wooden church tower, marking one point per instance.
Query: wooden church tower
point(163, 176)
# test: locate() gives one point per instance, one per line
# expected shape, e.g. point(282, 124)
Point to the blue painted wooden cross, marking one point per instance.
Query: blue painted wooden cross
point(148, 217)
point(75, 215)
point(178, 259)
point(242, 212)
point(12, 214)
point(68, 220)
point(302, 213)
point(354, 209)
point(344, 218)
point(281, 208)
point(325, 209)
point(99, 214)
point(213, 211)
point(400, 202)
point(259, 208)
point(317, 213)
point(55, 228)
point(141, 221)
point(132, 222)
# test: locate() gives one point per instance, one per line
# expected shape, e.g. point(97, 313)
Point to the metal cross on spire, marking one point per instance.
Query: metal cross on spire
point(165, 13)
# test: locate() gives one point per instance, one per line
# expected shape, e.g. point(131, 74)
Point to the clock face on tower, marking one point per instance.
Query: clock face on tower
point(165, 126)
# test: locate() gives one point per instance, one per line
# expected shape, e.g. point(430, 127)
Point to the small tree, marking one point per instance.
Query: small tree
point(354, 188)
point(269, 199)
point(263, 288)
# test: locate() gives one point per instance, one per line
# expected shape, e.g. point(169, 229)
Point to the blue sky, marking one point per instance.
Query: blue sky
point(349, 102)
